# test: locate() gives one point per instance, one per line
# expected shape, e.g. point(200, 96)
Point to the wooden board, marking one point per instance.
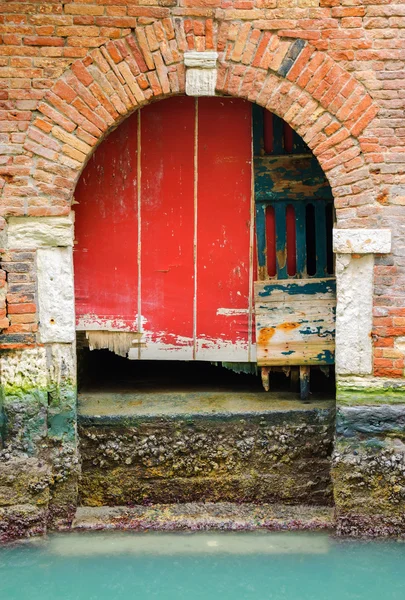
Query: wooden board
point(289, 177)
point(224, 221)
point(106, 234)
point(167, 229)
point(295, 322)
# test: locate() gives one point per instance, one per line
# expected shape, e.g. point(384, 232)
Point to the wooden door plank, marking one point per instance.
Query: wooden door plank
point(320, 238)
point(271, 255)
point(289, 177)
point(301, 239)
point(167, 229)
point(223, 229)
point(105, 253)
point(299, 289)
point(281, 239)
point(295, 322)
point(263, 241)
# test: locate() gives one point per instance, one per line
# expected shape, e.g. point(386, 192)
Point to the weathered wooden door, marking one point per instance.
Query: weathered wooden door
point(164, 232)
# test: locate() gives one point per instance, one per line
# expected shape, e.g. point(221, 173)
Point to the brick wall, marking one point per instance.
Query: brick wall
point(4, 322)
point(18, 322)
point(71, 70)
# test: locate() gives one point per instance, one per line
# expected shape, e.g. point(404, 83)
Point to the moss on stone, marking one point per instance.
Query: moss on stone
point(359, 396)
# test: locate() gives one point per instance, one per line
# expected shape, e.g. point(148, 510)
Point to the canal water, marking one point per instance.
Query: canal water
point(201, 566)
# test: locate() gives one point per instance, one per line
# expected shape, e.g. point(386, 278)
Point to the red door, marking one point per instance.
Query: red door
point(164, 231)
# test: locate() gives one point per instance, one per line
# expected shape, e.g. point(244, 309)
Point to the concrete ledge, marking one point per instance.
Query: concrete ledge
point(112, 408)
point(362, 241)
point(374, 526)
point(205, 516)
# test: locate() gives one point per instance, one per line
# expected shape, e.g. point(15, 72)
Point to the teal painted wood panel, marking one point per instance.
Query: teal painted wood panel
point(320, 239)
point(281, 240)
point(295, 322)
point(300, 233)
point(289, 178)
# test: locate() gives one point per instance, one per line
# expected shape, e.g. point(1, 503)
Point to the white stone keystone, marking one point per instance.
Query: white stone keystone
point(201, 73)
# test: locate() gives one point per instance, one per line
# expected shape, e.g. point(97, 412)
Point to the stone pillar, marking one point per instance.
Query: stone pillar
point(38, 454)
point(369, 458)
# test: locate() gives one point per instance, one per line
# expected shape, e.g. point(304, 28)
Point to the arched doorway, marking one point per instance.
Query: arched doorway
point(188, 221)
point(168, 252)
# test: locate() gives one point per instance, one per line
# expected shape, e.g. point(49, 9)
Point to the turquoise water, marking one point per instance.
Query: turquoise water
point(201, 566)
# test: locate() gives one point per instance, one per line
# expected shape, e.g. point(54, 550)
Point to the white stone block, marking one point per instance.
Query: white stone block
point(362, 241)
point(201, 60)
point(354, 289)
point(201, 82)
point(39, 232)
point(55, 295)
point(201, 73)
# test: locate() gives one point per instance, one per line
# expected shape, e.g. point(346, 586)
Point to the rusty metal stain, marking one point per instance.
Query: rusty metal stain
point(288, 326)
point(265, 334)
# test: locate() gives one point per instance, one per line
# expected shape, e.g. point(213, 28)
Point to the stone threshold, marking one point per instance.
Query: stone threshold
point(225, 516)
point(104, 407)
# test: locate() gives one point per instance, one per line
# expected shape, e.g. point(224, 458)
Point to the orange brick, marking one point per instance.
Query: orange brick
point(21, 308)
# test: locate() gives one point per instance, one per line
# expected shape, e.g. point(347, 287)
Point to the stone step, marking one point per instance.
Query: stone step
point(196, 516)
point(108, 406)
point(155, 448)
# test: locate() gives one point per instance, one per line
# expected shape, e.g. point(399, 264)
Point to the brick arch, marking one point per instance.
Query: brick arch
point(325, 104)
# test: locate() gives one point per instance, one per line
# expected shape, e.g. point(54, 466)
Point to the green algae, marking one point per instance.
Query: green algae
point(361, 396)
point(31, 414)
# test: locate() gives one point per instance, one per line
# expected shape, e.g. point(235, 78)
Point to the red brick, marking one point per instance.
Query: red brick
point(21, 308)
point(43, 41)
point(23, 318)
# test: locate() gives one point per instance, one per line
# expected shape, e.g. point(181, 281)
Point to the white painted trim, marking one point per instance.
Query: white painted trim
point(39, 232)
point(362, 241)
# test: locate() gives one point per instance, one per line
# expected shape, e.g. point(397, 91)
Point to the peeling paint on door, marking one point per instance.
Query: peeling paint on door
point(164, 229)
